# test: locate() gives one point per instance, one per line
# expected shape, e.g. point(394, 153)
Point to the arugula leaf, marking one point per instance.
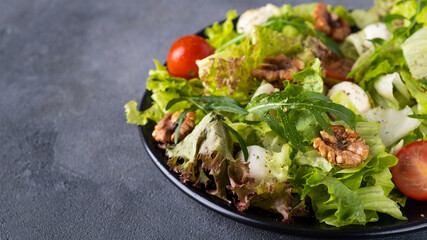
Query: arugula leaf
point(239, 139)
point(289, 99)
point(282, 103)
point(418, 116)
point(180, 119)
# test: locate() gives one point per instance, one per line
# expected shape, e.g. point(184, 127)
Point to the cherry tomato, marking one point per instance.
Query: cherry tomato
point(410, 173)
point(183, 54)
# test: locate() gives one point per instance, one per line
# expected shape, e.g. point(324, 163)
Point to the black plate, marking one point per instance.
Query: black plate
point(414, 210)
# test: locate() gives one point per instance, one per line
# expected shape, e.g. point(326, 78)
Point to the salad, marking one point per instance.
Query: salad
point(307, 110)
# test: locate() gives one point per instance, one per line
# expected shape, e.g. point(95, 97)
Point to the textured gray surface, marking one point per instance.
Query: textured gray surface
point(70, 165)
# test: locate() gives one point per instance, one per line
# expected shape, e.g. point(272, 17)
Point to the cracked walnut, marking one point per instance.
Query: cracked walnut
point(164, 131)
point(344, 148)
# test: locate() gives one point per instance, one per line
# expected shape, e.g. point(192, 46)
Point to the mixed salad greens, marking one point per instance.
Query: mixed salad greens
point(252, 143)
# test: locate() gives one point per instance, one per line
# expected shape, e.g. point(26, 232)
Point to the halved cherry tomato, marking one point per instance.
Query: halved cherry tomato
point(410, 173)
point(183, 54)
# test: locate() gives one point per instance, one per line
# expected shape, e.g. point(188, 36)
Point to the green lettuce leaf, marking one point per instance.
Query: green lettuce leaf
point(332, 201)
point(363, 18)
point(310, 78)
point(418, 89)
point(134, 116)
point(228, 72)
point(376, 13)
point(415, 52)
point(375, 199)
point(272, 192)
point(164, 88)
point(205, 152)
point(312, 158)
point(346, 196)
point(342, 98)
point(219, 34)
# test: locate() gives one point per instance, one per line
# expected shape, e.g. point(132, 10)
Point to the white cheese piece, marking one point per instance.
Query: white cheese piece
point(355, 93)
point(255, 17)
point(265, 87)
point(376, 30)
point(361, 39)
point(257, 166)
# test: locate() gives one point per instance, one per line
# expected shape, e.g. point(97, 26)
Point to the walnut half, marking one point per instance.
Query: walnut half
point(330, 23)
point(164, 131)
point(345, 148)
point(276, 69)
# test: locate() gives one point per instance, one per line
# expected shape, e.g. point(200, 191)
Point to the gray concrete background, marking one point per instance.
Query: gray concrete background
point(71, 168)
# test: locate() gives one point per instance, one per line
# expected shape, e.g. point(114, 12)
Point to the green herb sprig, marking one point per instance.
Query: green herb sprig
point(275, 110)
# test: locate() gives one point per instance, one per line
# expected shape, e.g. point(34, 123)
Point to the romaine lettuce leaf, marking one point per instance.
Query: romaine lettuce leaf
point(415, 52)
point(390, 91)
point(395, 124)
point(332, 201)
point(375, 199)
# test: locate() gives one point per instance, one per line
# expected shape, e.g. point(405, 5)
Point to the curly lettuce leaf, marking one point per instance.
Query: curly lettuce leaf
point(312, 158)
point(374, 199)
point(353, 195)
point(228, 72)
point(219, 34)
point(332, 201)
point(164, 88)
point(310, 78)
point(134, 116)
point(205, 152)
point(273, 192)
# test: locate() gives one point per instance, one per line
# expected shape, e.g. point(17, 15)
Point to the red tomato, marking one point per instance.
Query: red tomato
point(410, 173)
point(183, 54)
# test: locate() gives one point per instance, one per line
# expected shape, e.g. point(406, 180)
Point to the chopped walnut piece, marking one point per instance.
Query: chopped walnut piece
point(164, 131)
point(345, 148)
point(275, 69)
point(330, 23)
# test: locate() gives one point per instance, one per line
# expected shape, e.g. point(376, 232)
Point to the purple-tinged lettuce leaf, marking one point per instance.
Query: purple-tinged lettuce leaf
point(272, 192)
point(203, 154)
point(228, 72)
